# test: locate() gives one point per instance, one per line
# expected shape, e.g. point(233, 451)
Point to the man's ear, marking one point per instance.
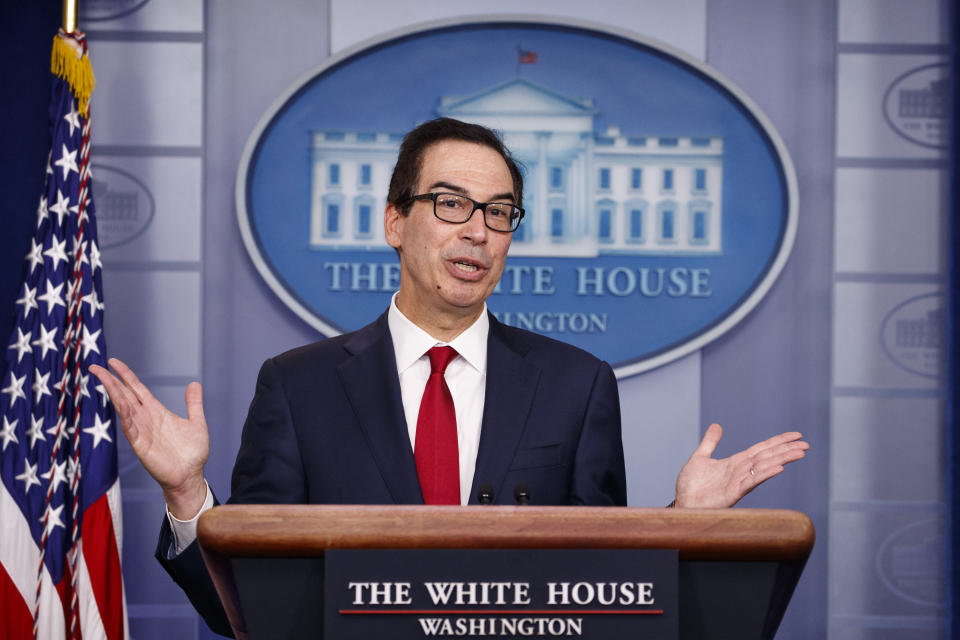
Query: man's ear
point(393, 221)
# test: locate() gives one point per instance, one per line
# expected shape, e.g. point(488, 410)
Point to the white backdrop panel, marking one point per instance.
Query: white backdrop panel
point(163, 310)
point(890, 220)
point(892, 21)
point(877, 442)
point(155, 94)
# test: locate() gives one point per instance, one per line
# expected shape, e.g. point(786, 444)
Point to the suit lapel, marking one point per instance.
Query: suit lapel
point(371, 384)
point(511, 383)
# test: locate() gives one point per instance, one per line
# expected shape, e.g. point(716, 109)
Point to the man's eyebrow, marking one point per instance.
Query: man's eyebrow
point(446, 185)
point(440, 184)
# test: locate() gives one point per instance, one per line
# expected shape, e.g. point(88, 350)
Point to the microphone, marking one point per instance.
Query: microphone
point(485, 495)
point(521, 493)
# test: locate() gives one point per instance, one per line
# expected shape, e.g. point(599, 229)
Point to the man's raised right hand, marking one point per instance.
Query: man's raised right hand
point(172, 449)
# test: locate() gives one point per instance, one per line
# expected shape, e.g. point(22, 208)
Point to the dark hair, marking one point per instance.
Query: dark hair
point(406, 173)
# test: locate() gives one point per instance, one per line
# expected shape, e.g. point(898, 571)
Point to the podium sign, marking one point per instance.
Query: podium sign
point(737, 567)
point(411, 594)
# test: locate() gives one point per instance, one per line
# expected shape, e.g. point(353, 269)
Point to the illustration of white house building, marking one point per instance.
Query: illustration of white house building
point(585, 193)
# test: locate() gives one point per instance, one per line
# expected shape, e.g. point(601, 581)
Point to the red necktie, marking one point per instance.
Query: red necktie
point(435, 450)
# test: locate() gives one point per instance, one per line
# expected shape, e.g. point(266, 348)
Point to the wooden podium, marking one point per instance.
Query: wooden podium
point(738, 567)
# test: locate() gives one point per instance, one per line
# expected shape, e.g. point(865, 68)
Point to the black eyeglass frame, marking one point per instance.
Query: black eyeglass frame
point(476, 205)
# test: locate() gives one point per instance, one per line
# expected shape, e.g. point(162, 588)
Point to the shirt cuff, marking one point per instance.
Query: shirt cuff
point(185, 531)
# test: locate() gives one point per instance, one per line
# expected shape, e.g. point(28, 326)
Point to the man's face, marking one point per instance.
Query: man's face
point(447, 270)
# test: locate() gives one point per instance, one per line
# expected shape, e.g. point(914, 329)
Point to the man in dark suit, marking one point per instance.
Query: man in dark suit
point(375, 417)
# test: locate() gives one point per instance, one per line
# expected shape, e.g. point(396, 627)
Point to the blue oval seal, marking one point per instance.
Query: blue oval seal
point(661, 203)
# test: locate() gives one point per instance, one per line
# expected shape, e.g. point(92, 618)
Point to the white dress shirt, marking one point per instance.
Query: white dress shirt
point(466, 377)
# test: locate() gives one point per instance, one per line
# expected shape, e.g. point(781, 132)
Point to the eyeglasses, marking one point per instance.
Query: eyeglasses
point(452, 207)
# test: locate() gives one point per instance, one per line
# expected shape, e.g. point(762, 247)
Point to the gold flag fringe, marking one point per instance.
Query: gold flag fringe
point(70, 62)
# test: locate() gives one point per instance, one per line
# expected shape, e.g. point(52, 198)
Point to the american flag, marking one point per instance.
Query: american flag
point(59, 496)
point(526, 57)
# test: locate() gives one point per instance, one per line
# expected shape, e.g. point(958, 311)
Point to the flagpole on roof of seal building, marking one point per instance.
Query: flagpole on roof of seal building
point(70, 15)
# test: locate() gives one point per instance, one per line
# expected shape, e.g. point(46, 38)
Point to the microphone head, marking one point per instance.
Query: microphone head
point(485, 493)
point(521, 493)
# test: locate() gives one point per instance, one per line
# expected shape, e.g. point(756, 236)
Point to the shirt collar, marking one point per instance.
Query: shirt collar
point(410, 342)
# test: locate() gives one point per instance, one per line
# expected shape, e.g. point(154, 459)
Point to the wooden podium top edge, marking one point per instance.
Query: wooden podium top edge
point(699, 534)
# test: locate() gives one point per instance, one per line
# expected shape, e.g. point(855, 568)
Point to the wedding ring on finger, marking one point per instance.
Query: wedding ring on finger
point(753, 471)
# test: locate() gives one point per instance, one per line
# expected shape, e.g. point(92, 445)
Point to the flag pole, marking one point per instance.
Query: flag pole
point(69, 15)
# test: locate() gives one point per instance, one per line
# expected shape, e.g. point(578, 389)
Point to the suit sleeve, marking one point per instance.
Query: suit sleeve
point(268, 470)
point(190, 573)
point(599, 478)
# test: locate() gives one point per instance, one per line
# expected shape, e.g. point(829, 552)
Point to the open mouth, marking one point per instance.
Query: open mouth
point(466, 266)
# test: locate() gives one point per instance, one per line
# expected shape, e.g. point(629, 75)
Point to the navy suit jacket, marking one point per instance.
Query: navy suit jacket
point(326, 426)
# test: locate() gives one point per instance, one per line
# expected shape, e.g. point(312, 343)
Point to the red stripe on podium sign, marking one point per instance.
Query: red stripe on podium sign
point(504, 612)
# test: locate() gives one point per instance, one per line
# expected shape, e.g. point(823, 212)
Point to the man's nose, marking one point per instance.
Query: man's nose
point(475, 228)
